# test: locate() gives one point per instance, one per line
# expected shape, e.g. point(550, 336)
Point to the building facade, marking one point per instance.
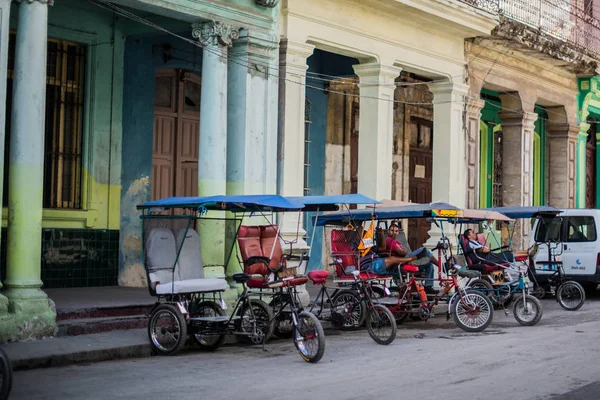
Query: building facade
point(104, 112)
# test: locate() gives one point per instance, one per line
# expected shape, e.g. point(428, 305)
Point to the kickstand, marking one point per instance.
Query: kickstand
point(263, 345)
point(506, 312)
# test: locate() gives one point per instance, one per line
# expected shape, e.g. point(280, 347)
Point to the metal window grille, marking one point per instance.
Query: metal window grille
point(65, 77)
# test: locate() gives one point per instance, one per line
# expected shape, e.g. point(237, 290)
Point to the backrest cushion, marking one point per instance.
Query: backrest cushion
point(271, 245)
point(249, 243)
point(189, 263)
point(160, 255)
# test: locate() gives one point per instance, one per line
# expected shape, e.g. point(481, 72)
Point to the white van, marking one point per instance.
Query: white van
point(577, 247)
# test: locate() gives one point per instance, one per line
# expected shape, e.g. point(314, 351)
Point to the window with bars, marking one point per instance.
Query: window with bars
point(65, 77)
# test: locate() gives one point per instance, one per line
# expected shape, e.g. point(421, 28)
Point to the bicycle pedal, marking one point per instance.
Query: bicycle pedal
point(506, 312)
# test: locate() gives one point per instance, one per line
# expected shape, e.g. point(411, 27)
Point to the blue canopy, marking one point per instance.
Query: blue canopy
point(242, 203)
point(409, 211)
point(329, 203)
point(516, 212)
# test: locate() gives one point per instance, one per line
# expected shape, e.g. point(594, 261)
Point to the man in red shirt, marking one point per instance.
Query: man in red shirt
point(395, 248)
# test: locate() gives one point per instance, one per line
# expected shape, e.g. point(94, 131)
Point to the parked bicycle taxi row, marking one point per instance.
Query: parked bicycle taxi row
point(377, 279)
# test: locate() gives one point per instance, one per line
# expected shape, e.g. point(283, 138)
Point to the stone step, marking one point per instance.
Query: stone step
point(86, 326)
point(102, 312)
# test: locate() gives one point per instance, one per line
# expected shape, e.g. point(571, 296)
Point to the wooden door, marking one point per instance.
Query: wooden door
point(420, 182)
point(176, 134)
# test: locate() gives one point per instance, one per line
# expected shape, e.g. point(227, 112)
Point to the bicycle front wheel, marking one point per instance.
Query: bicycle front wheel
point(570, 295)
point(530, 315)
point(381, 325)
point(5, 375)
point(309, 338)
point(473, 312)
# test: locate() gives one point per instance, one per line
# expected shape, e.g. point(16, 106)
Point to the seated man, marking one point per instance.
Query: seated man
point(395, 248)
point(484, 252)
point(370, 261)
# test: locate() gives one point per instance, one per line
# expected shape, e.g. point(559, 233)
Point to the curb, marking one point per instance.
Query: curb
point(62, 360)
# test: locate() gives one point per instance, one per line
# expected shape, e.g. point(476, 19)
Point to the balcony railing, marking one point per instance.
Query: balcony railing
point(557, 18)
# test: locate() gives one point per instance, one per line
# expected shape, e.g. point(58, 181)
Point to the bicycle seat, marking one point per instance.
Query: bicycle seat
point(410, 268)
point(469, 274)
point(241, 278)
point(318, 277)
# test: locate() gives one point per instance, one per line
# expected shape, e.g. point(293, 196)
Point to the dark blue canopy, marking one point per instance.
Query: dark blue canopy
point(409, 211)
point(253, 202)
point(517, 212)
point(329, 203)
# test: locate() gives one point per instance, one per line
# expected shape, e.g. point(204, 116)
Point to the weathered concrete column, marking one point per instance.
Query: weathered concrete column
point(449, 177)
point(251, 123)
point(562, 144)
point(376, 128)
point(33, 315)
point(517, 175)
point(290, 153)
point(581, 164)
point(474, 106)
point(216, 38)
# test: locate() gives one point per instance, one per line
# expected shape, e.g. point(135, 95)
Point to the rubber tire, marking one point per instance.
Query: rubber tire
point(284, 316)
point(183, 329)
point(401, 317)
point(388, 314)
point(539, 292)
point(320, 336)
point(538, 305)
point(221, 340)
point(460, 324)
point(6, 372)
point(559, 295)
point(361, 305)
point(270, 328)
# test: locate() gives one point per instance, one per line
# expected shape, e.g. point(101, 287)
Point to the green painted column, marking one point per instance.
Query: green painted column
point(581, 164)
point(215, 38)
point(597, 170)
point(30, 306)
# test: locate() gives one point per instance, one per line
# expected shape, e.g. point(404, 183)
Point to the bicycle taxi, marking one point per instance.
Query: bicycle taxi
point(346, 305)
point(471, 310)
point(549, 269)
point(190, 303)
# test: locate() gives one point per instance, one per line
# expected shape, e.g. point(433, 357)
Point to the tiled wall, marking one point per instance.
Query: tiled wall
point(75, 257)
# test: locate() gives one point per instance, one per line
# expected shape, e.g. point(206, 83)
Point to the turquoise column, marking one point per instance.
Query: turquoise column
point(216, 38)
point(581, 164)
point(32, 312)
point(6, 326)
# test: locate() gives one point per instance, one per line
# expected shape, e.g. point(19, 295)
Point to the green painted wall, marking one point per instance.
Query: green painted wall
point(589, 107)
point(81, 22)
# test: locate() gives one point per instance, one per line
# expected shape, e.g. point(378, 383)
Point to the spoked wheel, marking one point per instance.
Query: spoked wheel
point(283, 324)
point(351, 308)
point(570, 295)
point(534, 311)
point(5, 375)
point(209, 341)
point(258, 328)
point(381, 324)
point(167, 330)
point(309, 338)
point(473, 312)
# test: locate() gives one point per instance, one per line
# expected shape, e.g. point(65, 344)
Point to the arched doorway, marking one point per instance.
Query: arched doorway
point(176, 134)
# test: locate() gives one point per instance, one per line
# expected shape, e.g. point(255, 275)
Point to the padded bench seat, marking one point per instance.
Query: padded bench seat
point(192, 286)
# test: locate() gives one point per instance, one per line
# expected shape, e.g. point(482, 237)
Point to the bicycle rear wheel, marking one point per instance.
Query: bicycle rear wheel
point(381, 325)
point(473, 312)
point(570, 295)
point(309, 338)
point(5, 375)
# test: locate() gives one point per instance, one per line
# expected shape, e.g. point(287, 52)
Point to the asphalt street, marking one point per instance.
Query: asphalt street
point(556, 359)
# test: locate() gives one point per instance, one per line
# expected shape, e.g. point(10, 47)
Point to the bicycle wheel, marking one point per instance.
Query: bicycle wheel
point(483, 286)
point(570, 295)
point(167, 330)
point(538, 292)
point(263, 318)
point(351, 307)
point(381, 325)
point(534, 310)
point(309, 338)
point(5, 375)
point(472, 312)
point(209, 341)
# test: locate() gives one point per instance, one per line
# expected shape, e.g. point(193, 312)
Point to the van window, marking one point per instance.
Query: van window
point(581, 229)
point(548, 230)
